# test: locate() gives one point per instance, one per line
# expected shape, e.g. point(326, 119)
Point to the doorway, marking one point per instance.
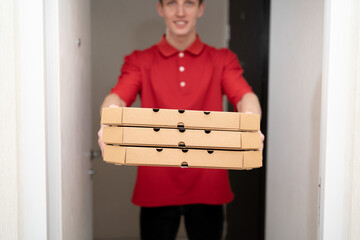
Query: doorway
point(119, 27)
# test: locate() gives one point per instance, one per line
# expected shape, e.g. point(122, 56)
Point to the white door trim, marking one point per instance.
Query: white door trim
point(32, 144)
point(340, 90)
point(53, 124)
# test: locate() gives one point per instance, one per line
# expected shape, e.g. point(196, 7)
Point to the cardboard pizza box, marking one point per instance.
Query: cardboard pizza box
point(181, 138)
point(190, 119)
point(172, 157)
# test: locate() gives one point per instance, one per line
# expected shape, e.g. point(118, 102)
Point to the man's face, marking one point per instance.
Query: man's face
point(181, 15)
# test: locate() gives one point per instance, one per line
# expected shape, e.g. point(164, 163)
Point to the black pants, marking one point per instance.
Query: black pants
point(201, 222)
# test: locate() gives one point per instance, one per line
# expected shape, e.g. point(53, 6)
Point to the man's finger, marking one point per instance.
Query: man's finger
point(100, 142)
point(262, 137)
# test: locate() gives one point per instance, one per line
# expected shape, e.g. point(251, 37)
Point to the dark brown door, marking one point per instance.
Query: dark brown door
point(249, 31)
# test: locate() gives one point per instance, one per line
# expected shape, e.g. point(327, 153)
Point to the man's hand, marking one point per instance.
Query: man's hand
point(250, 104)
point(100, 133)
point(262, 136)
point(100, 142)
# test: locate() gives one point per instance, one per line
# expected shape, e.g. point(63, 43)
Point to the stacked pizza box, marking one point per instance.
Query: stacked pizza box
point(181, 138)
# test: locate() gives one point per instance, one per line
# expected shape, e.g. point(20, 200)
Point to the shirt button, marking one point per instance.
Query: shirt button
point(181, 54)
point(181, 69)
point(182, 84)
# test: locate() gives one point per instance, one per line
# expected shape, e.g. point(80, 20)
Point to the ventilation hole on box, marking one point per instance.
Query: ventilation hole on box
point(184, 165)
point(210, 151)
point(181, 111)
point(181, 145)
point(159, 149)
point(207, 131)
point(180, 125)
point(156, 129)
point(155, 109)
point(207, 113)
point(185, 150)
point(181, 130)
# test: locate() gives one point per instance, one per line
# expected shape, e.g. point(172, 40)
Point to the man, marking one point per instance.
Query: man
point(181, 72)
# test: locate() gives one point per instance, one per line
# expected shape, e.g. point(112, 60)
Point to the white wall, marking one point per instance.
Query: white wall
point(75, 117)
point(119, 27)
point(296, 43)
point(8, 118)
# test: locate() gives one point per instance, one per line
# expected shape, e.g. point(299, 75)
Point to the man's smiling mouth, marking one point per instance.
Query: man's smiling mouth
point(180, 22)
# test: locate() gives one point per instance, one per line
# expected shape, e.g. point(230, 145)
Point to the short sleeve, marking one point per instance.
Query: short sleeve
point(234, 84)
point(129, 81)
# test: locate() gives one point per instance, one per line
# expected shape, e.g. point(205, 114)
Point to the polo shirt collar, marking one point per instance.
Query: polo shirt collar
point(167, 50)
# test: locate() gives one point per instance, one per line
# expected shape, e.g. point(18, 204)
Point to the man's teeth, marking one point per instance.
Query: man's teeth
point(180, 22)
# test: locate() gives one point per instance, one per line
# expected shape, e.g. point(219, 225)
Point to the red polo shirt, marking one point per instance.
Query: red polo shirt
point(194, 79)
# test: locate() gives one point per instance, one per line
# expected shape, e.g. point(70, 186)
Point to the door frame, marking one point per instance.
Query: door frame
point(39, 148)
point(32, 142)
point(340, 122)
point(53, 124)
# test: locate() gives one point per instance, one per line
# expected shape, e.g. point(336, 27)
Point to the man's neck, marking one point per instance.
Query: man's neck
point(180, 42)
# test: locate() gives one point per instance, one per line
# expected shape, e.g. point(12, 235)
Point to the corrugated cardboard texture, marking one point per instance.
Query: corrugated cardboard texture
point(183, 157)
point(164, 137)
point(187, 118)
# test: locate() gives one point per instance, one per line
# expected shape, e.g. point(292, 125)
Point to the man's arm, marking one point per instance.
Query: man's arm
point(250, 103)
point(112, 100)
